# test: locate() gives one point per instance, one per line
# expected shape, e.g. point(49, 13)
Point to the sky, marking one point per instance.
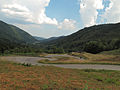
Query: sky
point(52, 18)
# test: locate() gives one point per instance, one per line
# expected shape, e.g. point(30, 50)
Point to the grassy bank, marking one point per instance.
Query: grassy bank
point(113, 52)
point(20, 76)
point(86, 58)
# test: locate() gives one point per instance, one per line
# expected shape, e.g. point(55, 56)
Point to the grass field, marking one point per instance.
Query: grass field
point(87, 58)
point(26, 77)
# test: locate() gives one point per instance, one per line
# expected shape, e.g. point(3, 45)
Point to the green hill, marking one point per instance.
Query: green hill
point(10, 35)
point(91, 39)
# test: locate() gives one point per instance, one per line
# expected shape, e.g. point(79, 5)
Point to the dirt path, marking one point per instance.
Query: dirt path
point(34, 61)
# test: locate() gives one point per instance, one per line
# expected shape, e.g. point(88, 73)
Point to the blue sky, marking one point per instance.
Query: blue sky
point(50, 18)
point(62, 9)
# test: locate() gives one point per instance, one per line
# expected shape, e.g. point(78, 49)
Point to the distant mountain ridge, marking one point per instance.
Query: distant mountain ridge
point(39, 38)
point(45, 40)
point(52, 38)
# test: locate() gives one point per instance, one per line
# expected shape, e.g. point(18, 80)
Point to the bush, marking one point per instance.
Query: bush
point(94, 47)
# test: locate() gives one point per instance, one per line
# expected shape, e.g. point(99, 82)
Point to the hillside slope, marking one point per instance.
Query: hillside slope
point(14, 34)
point(100, 37)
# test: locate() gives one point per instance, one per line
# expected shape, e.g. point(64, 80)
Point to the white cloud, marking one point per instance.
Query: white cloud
point(32, 11)
point(29, 10)
point(17, 11)
point(67, 24)
point(42, 18)
point(112, 14)
point(88, 11)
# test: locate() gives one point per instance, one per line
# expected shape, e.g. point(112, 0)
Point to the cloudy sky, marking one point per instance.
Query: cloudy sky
point(48, 18)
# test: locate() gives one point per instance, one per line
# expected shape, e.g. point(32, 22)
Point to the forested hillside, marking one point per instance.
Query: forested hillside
point(12, 36)
point(91, 39)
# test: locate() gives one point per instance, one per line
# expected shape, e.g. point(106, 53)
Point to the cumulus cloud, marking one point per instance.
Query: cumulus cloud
point(112, 13)
point(42, 18)
point(88, 11)
point(67, 24)
point(17, 11)
point(32, 11)
point(29, 10)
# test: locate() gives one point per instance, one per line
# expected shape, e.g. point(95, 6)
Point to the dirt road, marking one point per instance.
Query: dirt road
point(34, 61)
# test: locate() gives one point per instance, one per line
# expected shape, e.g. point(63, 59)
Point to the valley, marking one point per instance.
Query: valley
point(87, 60)
point(59, 44)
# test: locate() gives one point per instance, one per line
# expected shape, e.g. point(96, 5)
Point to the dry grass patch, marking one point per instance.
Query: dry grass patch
point(87, 58)
point(19, 77)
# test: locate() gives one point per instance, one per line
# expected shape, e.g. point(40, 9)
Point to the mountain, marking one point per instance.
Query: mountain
point(39, 38)
point(10, 34)
point(99, 37)
point(93, 39)
point(52, 38)
point(44, 40)
point(14, 34)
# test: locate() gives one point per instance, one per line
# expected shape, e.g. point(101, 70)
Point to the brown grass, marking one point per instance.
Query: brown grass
point(87, 59)
point(19, 77)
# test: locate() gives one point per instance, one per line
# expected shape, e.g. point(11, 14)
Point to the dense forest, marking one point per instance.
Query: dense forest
point(93, 39)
